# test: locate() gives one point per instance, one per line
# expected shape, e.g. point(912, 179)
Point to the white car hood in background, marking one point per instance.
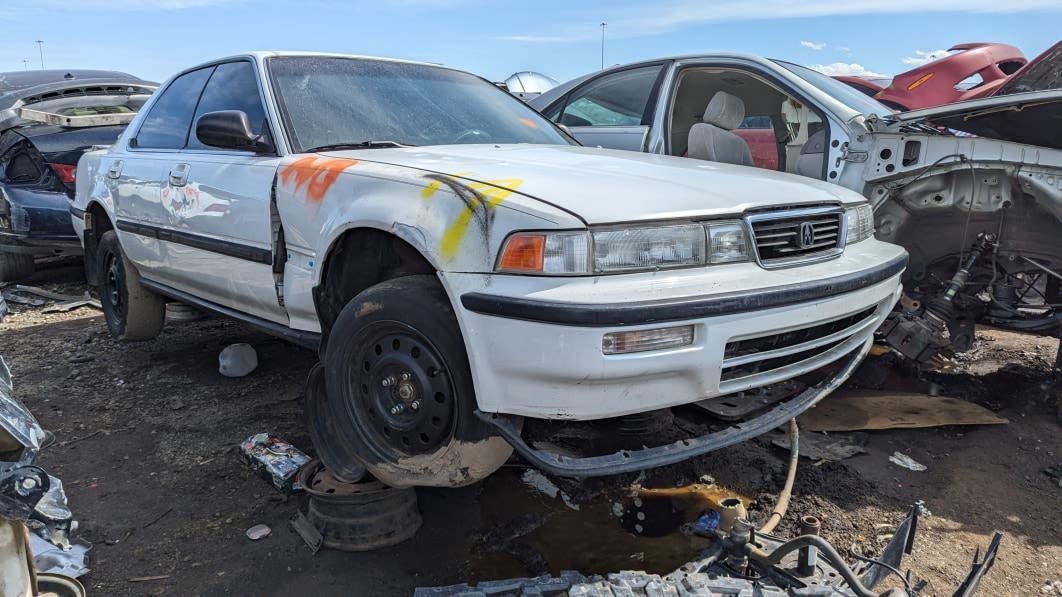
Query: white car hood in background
point(604, 186)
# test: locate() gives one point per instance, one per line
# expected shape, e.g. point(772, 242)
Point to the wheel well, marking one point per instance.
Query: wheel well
point(96, 223)
point(361, 258)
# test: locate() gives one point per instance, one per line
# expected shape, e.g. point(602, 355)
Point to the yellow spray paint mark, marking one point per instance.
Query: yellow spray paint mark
point(486, 196)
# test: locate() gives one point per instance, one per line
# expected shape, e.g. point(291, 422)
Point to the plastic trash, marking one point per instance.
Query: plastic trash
point(258, 531)
point(237, 360)
point(707, 523)
point(274, 460)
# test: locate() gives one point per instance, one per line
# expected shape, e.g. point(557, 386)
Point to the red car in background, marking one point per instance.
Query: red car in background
point(970, 71)
point(868, 85)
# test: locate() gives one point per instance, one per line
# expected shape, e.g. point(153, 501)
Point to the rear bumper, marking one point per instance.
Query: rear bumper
point(34, 222)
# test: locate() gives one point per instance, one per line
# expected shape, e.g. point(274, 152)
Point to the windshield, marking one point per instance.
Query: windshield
point(838, 90)
point(330, 101)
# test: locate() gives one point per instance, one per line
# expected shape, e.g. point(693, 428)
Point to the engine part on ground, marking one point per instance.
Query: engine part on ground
point(57, 585)
point(808, 556)
point(771, 572)
point(355, 516)
point(731, 510)
point(782, 504)
point(69, 562)
point(14, 554)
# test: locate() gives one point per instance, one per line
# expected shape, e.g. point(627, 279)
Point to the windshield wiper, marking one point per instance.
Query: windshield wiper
point(361, 145)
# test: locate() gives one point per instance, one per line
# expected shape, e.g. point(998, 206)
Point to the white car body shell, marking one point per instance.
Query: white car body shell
point(212, 239)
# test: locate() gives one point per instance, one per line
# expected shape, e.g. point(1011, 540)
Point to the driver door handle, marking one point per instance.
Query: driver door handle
point(179, 175)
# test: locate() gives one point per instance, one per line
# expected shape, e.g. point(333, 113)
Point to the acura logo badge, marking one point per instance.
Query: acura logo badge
point(807, 235)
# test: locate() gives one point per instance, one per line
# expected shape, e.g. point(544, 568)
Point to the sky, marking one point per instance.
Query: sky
point(495, 38)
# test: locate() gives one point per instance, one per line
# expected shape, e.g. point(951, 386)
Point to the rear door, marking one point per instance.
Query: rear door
point(212, 210)
point(614, 110)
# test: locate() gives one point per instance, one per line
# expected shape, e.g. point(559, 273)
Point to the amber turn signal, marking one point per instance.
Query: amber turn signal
point(523, 253)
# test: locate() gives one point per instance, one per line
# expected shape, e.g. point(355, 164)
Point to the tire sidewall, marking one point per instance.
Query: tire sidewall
point(420, 303)
point(111, 248)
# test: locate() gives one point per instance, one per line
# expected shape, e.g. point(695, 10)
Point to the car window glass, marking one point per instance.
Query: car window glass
point(613, 100)
point(334, 101)
point(231, 87)
point(166, 125)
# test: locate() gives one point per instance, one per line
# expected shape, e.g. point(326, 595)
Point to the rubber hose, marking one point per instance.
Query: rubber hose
point(782, 505)
point(826, 550)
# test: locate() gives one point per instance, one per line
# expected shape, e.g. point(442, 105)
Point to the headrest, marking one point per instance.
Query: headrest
point(724, 111)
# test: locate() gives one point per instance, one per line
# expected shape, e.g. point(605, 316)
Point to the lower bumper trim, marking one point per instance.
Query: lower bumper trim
point(629, 461)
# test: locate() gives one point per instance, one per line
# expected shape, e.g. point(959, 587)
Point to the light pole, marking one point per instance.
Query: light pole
point(603, 45)
point(25, 64)
point(40, 47)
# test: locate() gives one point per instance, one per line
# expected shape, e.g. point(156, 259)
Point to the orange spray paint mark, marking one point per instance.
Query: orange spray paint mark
point(531, 124)
point(316, 174)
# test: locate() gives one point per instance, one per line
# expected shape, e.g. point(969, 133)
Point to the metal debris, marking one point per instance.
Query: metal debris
point(37, 297)
point(48, 557)
point(901, 459)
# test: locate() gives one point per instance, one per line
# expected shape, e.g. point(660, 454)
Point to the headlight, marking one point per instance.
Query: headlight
point(637, 249)
point(728, 242)
point(860, 223)
point(625, 250)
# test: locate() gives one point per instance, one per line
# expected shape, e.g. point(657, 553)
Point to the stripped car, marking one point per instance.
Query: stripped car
point(980, 216)
point(462, 264)
point(47, 120)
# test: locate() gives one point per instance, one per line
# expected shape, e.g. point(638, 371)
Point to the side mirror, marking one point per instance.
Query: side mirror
point(230, 129)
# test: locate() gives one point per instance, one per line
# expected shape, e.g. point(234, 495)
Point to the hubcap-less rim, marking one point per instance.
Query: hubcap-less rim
point(403, 396)
point(114, 291)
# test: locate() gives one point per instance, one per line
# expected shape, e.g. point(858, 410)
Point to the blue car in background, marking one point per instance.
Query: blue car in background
point(48, 119)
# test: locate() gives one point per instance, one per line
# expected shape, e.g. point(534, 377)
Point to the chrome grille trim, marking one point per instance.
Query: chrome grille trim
point(777, 235)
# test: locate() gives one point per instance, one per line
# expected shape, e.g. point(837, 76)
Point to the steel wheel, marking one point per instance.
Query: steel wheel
point(404, 398)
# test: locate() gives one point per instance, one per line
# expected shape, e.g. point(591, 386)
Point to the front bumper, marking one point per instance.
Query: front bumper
point(535, 344)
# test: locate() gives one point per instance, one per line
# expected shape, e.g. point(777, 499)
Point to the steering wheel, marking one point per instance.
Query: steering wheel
point(468, 134)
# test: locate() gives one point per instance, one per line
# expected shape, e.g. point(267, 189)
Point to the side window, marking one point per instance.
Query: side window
point(617, 99)
point(166, 125)
point(231, 87)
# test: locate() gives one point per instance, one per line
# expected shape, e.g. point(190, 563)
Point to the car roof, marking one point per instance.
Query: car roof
point(17, 80)
point(263, 54)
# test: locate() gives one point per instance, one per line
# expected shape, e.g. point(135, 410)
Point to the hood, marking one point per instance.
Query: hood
point(1030, 118)
point(1042, 73)
point(603, 186)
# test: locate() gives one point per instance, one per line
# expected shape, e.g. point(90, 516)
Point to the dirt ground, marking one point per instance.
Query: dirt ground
point(146, 446)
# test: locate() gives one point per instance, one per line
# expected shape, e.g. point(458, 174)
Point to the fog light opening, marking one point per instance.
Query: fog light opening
point(646, 340)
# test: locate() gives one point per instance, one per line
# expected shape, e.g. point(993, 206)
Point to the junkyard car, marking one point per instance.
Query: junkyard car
point(463, 264)
point(47, 120)
point(979, 216)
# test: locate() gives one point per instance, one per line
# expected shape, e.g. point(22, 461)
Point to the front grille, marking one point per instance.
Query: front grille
point(753, 357)
point(789, 237)
point(740, 348)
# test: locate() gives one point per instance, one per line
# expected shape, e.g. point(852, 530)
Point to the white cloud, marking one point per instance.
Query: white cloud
point(813, 45)
point(844, 68)
point(921, 57)
point(842, 48)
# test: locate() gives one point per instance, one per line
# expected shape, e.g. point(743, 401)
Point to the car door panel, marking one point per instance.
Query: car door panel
point(612, 137)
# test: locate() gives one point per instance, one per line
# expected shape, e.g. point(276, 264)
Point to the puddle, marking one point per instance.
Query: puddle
point(531, 527)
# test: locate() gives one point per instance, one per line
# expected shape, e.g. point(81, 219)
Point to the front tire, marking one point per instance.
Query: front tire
point(400, 388)
point(132, 312)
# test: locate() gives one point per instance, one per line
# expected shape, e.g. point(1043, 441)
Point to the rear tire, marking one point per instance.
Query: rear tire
point(15, 266)
point(400, 390)
point(132, 312)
